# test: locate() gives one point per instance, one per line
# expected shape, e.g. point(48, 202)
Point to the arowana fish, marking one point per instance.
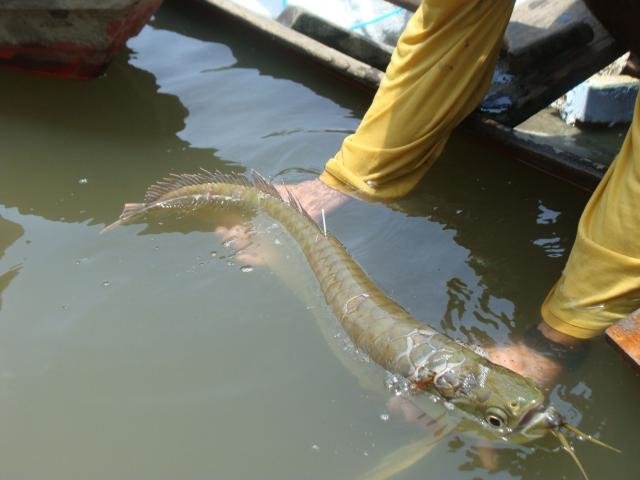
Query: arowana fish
point(494, 397)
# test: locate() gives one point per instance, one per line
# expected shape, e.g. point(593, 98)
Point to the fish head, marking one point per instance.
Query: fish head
point(502, 402)
point(541, 421)
point(513, 408)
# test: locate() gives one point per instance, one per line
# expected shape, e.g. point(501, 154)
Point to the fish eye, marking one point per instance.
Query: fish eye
point(494, 420)
point(496, 417)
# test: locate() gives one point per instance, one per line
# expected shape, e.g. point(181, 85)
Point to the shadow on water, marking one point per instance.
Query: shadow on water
point(120, 121)
point(255, 51)
point(506, 222)
point(9, 233)
point(133, 122)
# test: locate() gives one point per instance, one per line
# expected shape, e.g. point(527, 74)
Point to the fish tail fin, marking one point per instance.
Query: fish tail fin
point(162, 191)
point(129, 211)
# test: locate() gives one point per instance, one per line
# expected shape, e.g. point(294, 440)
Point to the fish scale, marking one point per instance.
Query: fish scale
point(496, 399)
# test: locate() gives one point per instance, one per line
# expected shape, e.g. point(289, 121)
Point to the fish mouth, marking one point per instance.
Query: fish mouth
point(538, 420)
point(528, 416)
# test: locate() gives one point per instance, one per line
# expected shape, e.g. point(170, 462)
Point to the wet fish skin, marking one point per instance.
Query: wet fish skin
point(495, 398)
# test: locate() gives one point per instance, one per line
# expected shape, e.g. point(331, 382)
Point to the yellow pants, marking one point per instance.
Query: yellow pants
point(601, 281)
point(439, 72)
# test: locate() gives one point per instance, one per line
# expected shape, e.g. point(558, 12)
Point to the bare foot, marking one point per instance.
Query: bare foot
point(527, 362)
point(530, 363)
point(313, 195)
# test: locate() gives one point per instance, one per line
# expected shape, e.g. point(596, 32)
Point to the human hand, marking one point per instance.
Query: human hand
point(241, 239)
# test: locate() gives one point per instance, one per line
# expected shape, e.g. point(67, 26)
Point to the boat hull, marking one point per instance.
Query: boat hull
point(68, 38)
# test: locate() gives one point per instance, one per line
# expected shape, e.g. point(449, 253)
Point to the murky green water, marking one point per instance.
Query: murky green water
point(141, 355)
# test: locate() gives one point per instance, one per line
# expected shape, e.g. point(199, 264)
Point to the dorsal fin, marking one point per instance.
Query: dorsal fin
point(265, 185)
point(295, 204)
point(175, 181)
point(269, 188)
point(155, 192)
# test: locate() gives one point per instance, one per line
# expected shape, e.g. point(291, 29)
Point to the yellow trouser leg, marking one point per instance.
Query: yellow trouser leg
point(601, 281)
point(439, 72)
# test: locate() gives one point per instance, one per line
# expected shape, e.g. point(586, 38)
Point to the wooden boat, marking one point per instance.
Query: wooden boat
point(68, 38)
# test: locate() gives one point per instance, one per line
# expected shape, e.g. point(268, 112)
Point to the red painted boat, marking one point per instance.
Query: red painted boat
point(68, 38)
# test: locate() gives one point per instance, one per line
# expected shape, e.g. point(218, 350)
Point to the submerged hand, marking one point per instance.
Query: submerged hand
point(400, 407)
point(240, 238)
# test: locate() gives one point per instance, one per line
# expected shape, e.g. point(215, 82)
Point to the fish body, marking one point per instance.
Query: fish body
point(496, 398)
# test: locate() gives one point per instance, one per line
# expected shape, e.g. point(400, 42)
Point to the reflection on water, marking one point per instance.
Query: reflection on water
point(9, 233)
point(142, 354)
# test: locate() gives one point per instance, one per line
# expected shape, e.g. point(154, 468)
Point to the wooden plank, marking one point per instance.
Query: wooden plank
point(562, 164)
point(625, 334)
point(345, 41)
point(320, 53)
point(546, 55)
point(534, 20)
point(411, 5)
